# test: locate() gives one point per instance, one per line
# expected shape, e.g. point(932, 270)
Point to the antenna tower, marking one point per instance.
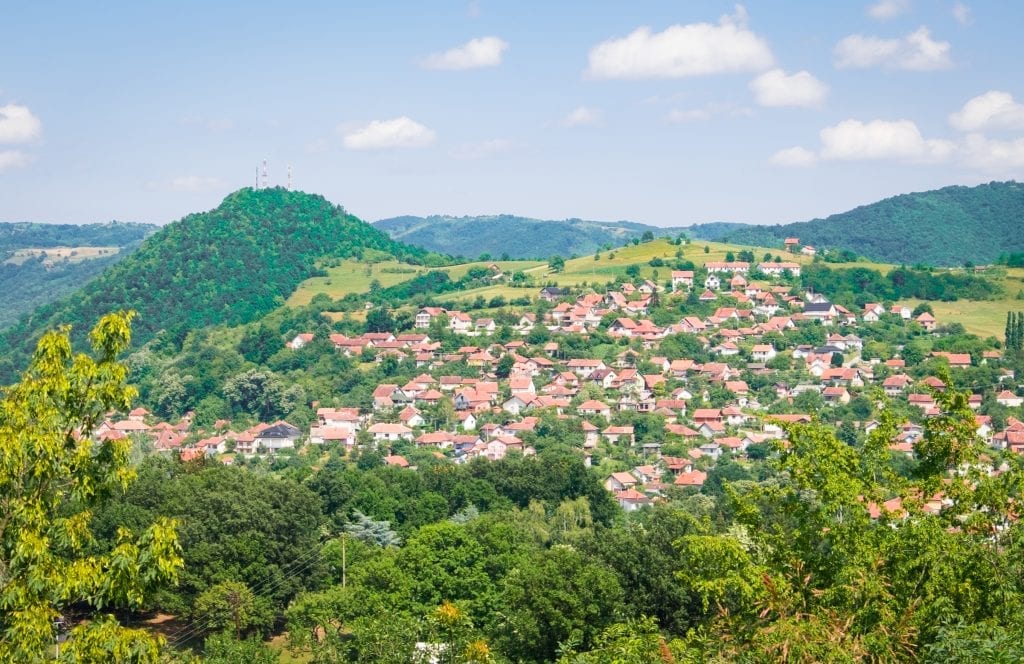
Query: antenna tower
point(257, 177)
point(289, 177)
point(264, 177)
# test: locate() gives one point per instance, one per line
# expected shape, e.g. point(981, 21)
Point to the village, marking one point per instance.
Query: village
point(705, 406)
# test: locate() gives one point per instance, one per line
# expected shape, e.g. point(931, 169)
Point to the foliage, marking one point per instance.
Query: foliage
point(230, 265)
point(504, 234)
point(909, 228)
point(52, 476)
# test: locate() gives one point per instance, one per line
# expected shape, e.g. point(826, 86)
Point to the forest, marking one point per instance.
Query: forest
point(818, 550)
point(946, 227)
point(231, 265)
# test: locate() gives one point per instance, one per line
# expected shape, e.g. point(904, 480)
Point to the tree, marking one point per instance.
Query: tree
point(231, 605)
point(730, 257)
point(505, 365)
point(259, 343)
point(52, 476)
point(261, 393)
point(377, 532)
point(379, 319)
point(556, 263)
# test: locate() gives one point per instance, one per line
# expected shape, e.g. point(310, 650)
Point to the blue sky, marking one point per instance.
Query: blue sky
point(668, 113)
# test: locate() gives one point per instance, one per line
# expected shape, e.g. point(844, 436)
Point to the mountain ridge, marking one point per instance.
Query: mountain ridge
point(229, 265)
point(908, 228)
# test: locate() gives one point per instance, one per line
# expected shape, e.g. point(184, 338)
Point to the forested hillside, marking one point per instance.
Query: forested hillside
point(29, 279)
point(114, 234)
point(226, 266)
point(948, 226)
point(512, 236)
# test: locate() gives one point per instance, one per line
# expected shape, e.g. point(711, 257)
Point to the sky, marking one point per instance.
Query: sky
point(667, 113)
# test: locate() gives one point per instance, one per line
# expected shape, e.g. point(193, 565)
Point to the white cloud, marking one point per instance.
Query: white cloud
point(18, 125)
point(689, 115)
point(882, 139)
point(683, 50)
point(11, 159)
point(993, 110)
point(794, 157)
point(195, 183)
point(482, 150)
point(887, 9)
point(476, 53)
point(582, 117)
point(962, 14)
point(777, 88)
point(707, 112)
point(915, 51)
point(993, 155)
point(400, 132)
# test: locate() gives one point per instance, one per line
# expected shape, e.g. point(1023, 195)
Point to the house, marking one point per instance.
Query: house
point(620, 481)
point(426, 315)
point(808, 250)
point(631, 500)
point(386, 432)
point(779, 269)
point(763, 353)
point(593, 407)
point(956, 360)
point(901, 311)
point(623, 434)
point(460, 323)
point(300, 340)
point(552, 293)
point(727, 267)
point(712, 282)
point(693, 478)
point(792, 243)
point(822, 311)
point(927, 321)
point(277, 436)
point(682, 278)
point(1009, 399)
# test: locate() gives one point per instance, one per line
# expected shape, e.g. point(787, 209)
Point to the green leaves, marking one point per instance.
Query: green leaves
point(52, 475)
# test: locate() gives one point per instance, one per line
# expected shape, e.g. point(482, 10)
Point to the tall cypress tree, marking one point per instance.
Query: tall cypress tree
point(1008, 332)
point(1018, 331)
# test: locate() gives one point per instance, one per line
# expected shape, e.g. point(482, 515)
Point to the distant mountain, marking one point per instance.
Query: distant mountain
point(41, 263)
point(230, 265)
point(947, 226)
point(516, 237)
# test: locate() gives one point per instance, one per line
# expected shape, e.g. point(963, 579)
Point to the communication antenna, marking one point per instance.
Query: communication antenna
point(289, 177)
point(257, 176)
point(264, 178)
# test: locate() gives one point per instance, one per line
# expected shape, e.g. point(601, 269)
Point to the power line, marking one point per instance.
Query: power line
point(203, 623)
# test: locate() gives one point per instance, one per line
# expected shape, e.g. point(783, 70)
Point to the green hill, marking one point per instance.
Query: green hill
point(230, 265)
point(511, 236)
point(948, 226)
point(40, 263)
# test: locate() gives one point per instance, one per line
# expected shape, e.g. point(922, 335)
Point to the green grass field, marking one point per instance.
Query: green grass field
point(985, 318)
point(54, 254)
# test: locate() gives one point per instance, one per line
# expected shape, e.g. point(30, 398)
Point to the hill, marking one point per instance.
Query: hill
point(948, 226)
point(512, 236)
point(40, 263)
point(229, 266)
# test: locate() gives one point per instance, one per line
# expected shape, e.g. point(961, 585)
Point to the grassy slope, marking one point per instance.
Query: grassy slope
point(984, 318)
